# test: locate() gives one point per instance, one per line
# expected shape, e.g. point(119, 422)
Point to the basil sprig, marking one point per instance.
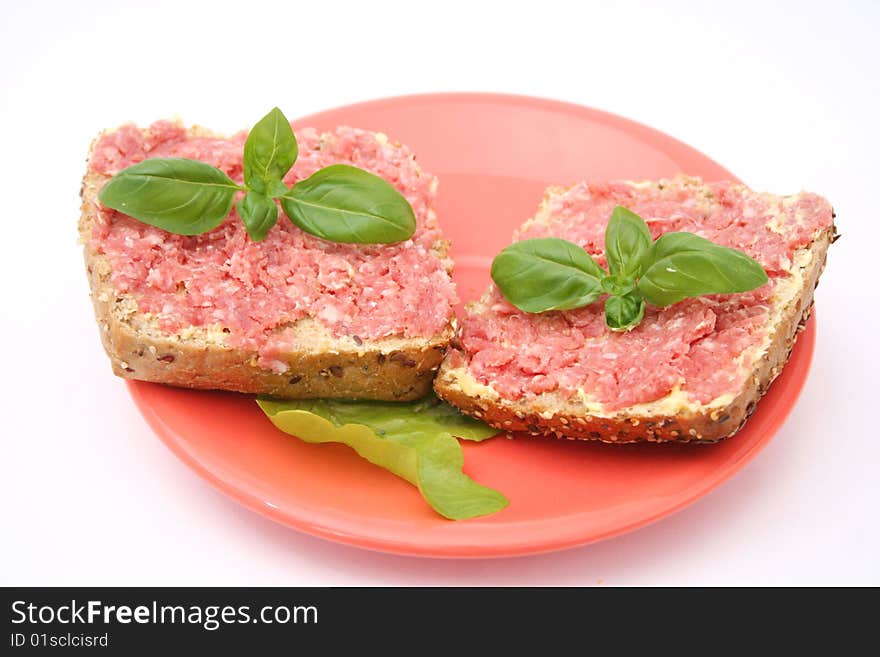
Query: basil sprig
point(338, 203)
point(549, 273)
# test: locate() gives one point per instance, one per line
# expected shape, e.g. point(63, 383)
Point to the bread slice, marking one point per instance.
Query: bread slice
point(673, 417)
point(322, 365)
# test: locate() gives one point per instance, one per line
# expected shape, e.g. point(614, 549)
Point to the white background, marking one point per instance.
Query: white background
point(785, 95)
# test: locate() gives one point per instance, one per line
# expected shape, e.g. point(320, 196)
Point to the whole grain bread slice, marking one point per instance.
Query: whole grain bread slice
point(672, 418)
point(393, 368)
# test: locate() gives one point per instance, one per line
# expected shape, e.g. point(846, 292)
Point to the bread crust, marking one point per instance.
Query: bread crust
point(389, 369)
point(562, 419)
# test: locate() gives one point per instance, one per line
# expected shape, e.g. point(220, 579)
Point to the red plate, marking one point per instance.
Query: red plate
point(494, 155)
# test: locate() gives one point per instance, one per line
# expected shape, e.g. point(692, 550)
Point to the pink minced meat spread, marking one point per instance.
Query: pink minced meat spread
point(254, 290)
point(691, 344)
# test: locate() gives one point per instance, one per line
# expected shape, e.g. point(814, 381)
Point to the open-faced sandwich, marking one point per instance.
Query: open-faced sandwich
point(352, 298)
point(662, 358)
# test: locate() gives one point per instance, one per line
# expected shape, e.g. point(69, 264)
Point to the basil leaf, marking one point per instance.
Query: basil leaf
point(269, 152)
point(627, 242)
point(547, 273)
point(413, 440)
point(186, 197)
point(685, 265)
point(259, 213)
point(341, 203)
point(624, 312)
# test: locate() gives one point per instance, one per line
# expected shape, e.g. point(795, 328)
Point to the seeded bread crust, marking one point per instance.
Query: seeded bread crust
point(553, 415)
point(390, 369)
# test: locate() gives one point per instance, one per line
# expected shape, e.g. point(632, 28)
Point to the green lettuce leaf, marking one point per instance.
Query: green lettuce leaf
point(414, 440)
